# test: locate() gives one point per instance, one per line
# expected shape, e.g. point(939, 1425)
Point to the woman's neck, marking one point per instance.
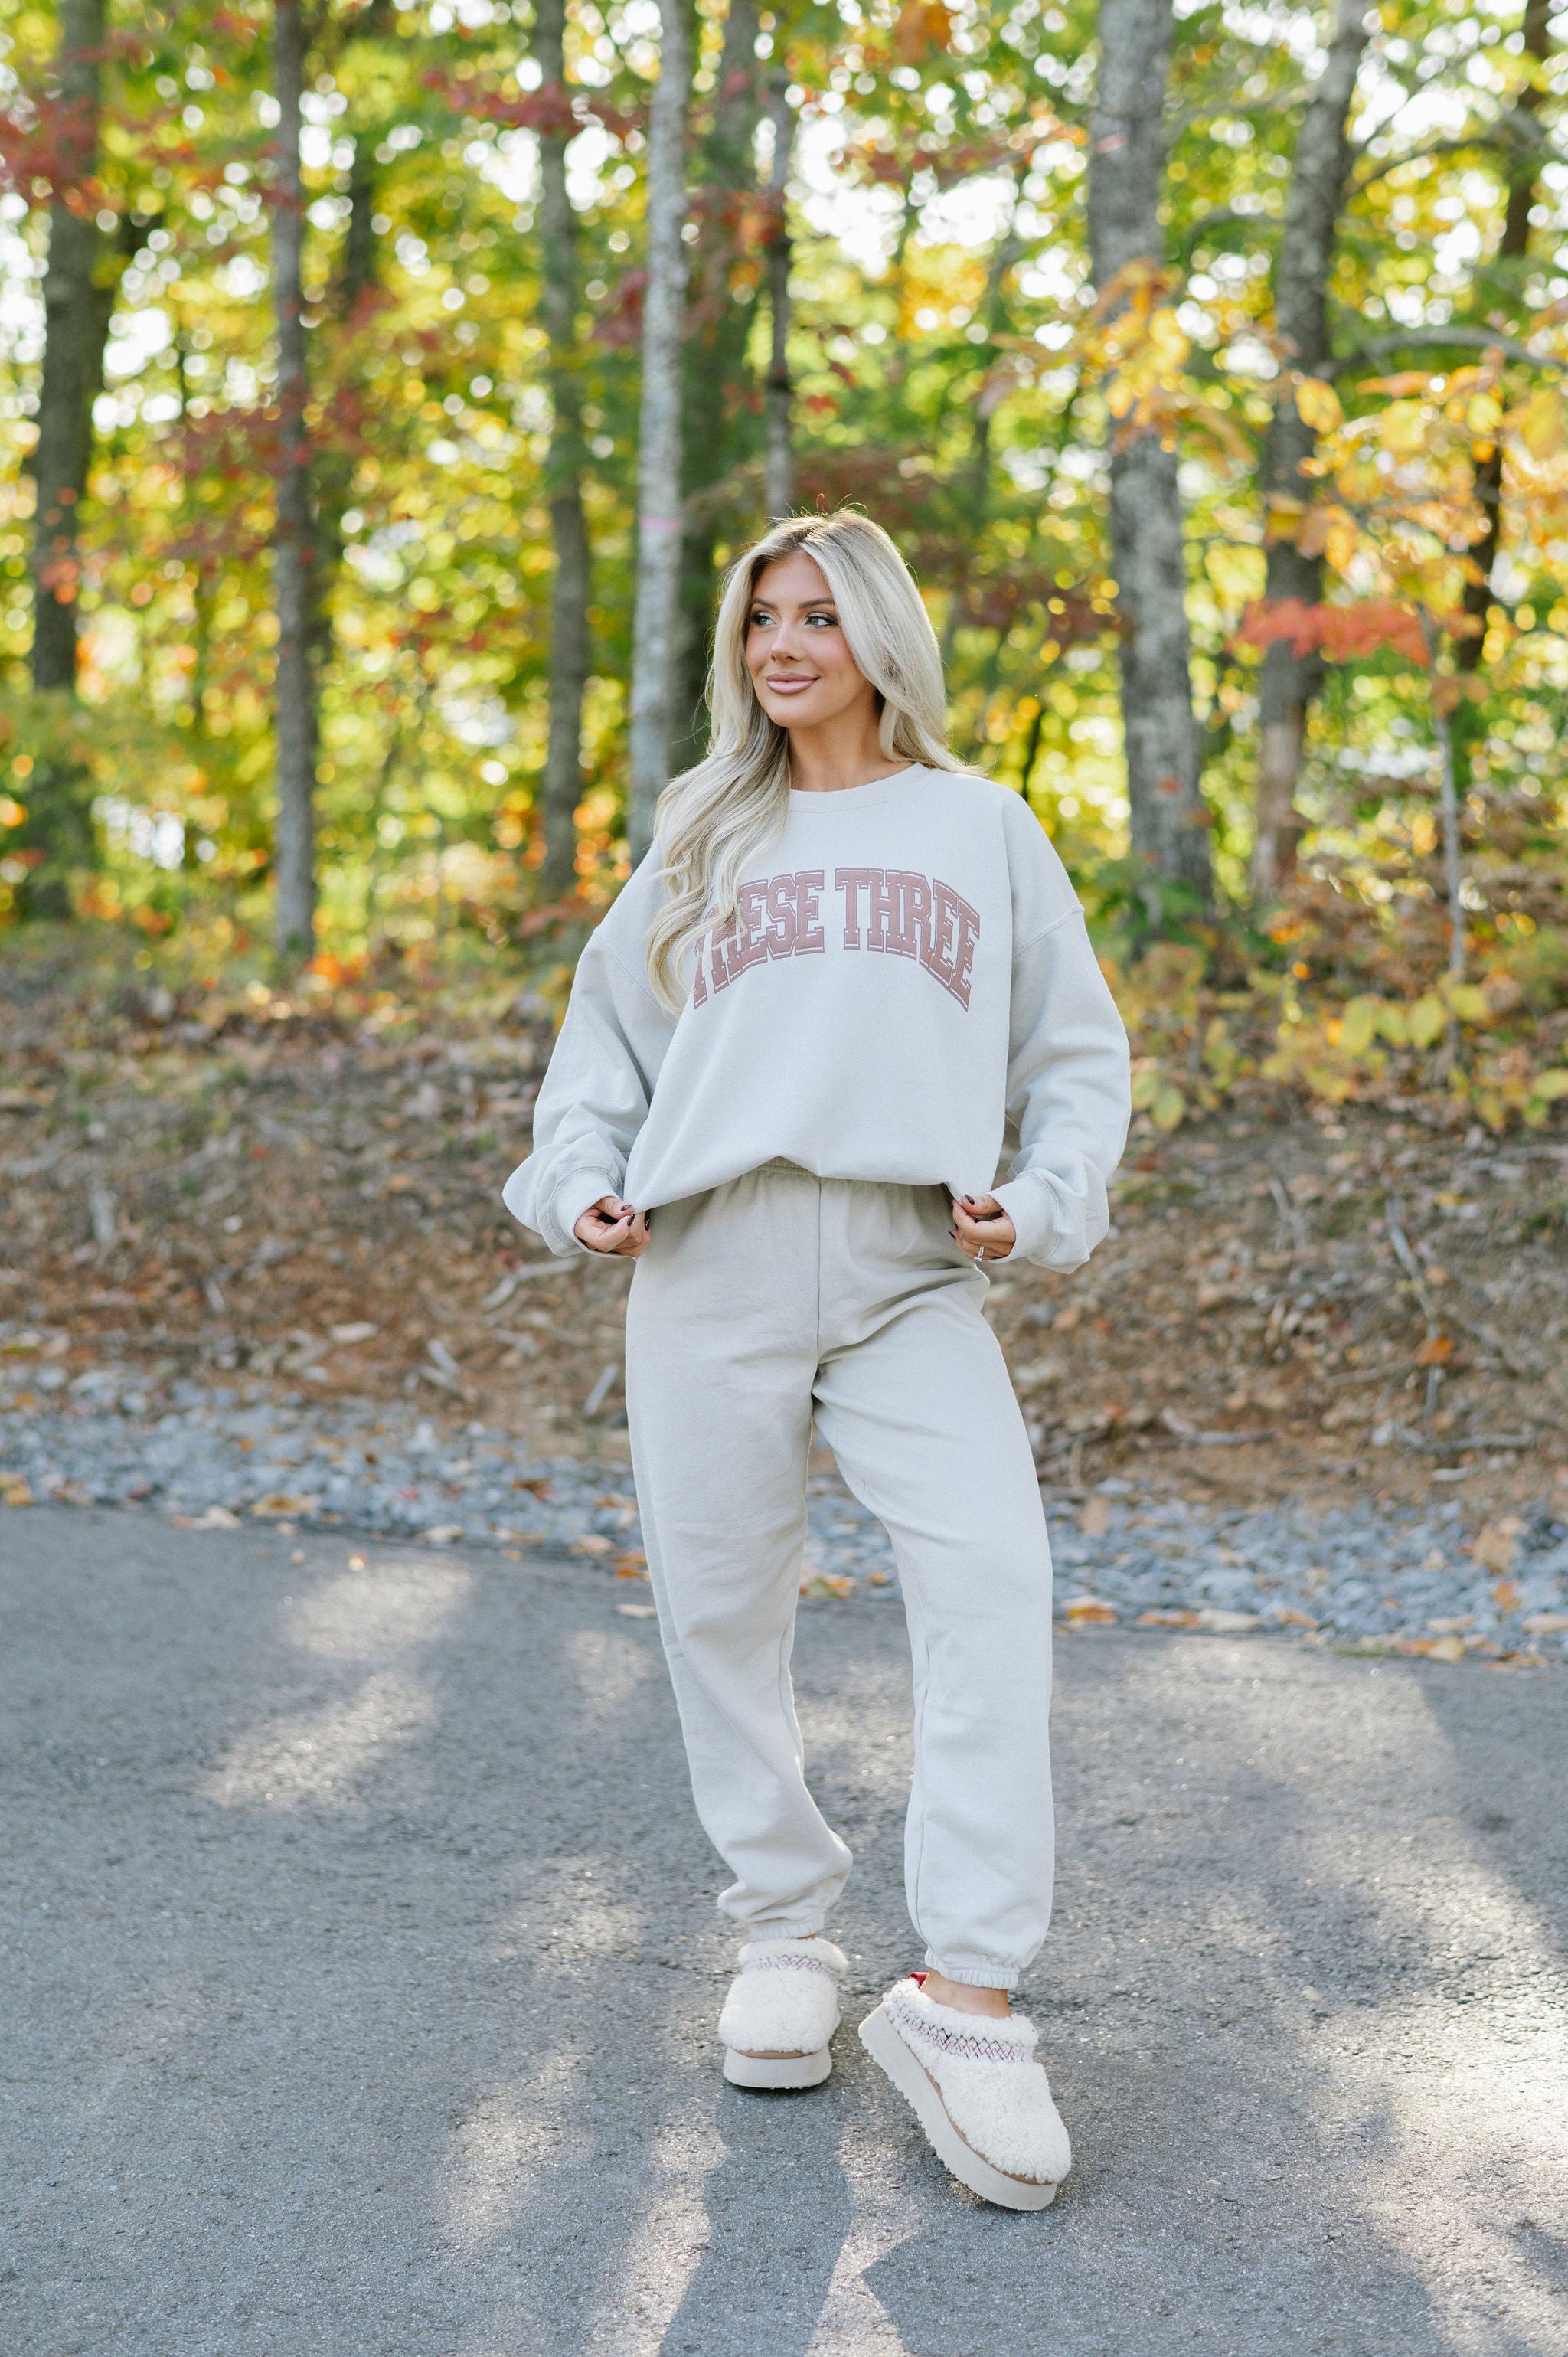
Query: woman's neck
point(832, 761)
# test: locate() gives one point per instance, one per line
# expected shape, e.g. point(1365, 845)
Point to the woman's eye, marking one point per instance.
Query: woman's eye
point(828, 621)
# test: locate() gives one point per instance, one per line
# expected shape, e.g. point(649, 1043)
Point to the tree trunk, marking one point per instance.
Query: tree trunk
point(717, 422)
point(1514, 245)
point(76, 327)
point(1126, 166)
point(79, 295)
point(658, 445)
point(1291, 681)
point(562, 783)
point(335, 459)
point(780, 459)
point(295, 718)
point(974, 484)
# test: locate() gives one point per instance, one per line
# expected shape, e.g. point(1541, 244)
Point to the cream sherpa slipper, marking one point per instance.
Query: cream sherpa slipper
point(976, 2088)
point(782, 2011)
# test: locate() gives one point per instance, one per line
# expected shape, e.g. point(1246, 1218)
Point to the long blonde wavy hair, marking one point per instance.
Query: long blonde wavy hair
point(713, 820)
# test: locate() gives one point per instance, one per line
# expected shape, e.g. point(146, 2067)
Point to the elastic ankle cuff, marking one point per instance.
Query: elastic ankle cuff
point(992, 1976)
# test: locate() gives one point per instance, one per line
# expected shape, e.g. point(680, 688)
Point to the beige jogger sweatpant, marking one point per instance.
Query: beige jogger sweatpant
point(772, 1298)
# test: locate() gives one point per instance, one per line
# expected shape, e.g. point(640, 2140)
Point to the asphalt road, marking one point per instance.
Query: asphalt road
point(359, 1974)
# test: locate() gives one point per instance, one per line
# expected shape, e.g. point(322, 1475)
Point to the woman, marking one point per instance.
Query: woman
point(782, 1085)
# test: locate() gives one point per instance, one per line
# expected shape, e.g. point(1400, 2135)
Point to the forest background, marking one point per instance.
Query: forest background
point(382, 385)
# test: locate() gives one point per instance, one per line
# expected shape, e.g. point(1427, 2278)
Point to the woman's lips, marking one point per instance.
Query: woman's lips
point(789, 684)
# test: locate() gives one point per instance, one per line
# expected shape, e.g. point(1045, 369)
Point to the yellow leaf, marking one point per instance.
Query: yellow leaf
point(1167, 1106)
point(1404, 428)
point(1483, 415)
point(1393, 1023)
point(1359, 1027)
point(1549, 1086)
point(1165, 335)
point(1318, 405)
point(1469, 1002)
point(1427, 1020)
point(1538, 424)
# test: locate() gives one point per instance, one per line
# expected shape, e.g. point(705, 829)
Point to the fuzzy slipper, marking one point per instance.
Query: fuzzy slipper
point(782, 2011)
point(976, 2088)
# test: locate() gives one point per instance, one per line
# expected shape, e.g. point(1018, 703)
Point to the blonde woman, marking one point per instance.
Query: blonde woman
point(792, 1051)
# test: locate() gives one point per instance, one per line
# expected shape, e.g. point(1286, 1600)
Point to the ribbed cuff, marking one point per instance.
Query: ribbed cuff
point(1033, 1206)
point(996, 1976)
point(575, 1193)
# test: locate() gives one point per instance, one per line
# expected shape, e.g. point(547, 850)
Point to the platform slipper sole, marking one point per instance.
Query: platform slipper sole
point(920, 2092)
point(744, 2070)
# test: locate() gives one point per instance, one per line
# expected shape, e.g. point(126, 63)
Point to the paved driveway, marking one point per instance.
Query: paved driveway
point(360, 1975)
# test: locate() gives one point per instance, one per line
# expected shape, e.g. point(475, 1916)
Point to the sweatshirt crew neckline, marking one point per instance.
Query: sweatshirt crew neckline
point(857, 798)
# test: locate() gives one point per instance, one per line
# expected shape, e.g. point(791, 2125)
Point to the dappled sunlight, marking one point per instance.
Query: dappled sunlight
point(570, 1911)
point(1466, 2081)
point(492, 2164)
point(320, 1754)
point(609, 1668)
point(373, 1615)
point(363, 1617)
point(1441, 2108)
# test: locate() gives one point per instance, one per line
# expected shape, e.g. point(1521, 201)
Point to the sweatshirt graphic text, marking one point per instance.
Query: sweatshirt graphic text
point(905, 983)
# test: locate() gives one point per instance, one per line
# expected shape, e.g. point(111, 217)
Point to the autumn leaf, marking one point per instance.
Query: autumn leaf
point(1538, 425)
point(1317, 404)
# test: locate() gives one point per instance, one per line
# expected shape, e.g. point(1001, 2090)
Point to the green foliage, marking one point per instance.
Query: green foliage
point(946, 377)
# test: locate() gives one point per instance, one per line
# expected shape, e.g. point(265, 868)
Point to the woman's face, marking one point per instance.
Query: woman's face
point(799, 658)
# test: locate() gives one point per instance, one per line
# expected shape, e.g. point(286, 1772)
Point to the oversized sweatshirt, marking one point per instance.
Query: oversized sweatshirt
point(906, 986)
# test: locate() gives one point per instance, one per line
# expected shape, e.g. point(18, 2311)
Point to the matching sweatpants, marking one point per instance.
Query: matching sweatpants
point(772, 1299)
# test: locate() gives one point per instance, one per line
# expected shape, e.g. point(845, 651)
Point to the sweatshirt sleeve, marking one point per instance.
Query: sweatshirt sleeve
point(1068, 1096)
point(596, 1092)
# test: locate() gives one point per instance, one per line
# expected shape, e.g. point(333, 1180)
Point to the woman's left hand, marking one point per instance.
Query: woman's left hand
point(981, 1227)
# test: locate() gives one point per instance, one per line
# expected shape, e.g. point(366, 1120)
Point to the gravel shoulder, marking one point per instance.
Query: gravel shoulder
point(360, 1975)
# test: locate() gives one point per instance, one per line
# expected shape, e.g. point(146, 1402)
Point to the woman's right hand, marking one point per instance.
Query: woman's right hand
point(611, 1226)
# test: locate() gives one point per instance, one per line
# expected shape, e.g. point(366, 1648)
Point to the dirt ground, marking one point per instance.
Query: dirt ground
point(291, 1199)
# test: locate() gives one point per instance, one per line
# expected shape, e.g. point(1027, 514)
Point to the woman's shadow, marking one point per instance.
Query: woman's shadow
point(778, 2213)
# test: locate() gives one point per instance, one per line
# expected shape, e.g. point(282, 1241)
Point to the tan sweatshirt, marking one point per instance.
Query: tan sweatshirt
point(907, 984)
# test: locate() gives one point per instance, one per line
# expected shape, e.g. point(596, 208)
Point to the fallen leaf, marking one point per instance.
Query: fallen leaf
point(356, 1563)
point(215, 1518)
point(15, 1490)
point(1167, 1621)
point(824, 1585)
point(359, 1331)
point(1289, 1618)
point(1440, 1649)
point(638, 1611)
point(443, 1534)
point(1228, 1624)
point(1095, 1518)
point(633, 1564)
point(1089, 1608)
point(1545, 1624)
point(1495, 1547)
point(1505, 1596)
point(283, 1501)
point(593, 1542)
